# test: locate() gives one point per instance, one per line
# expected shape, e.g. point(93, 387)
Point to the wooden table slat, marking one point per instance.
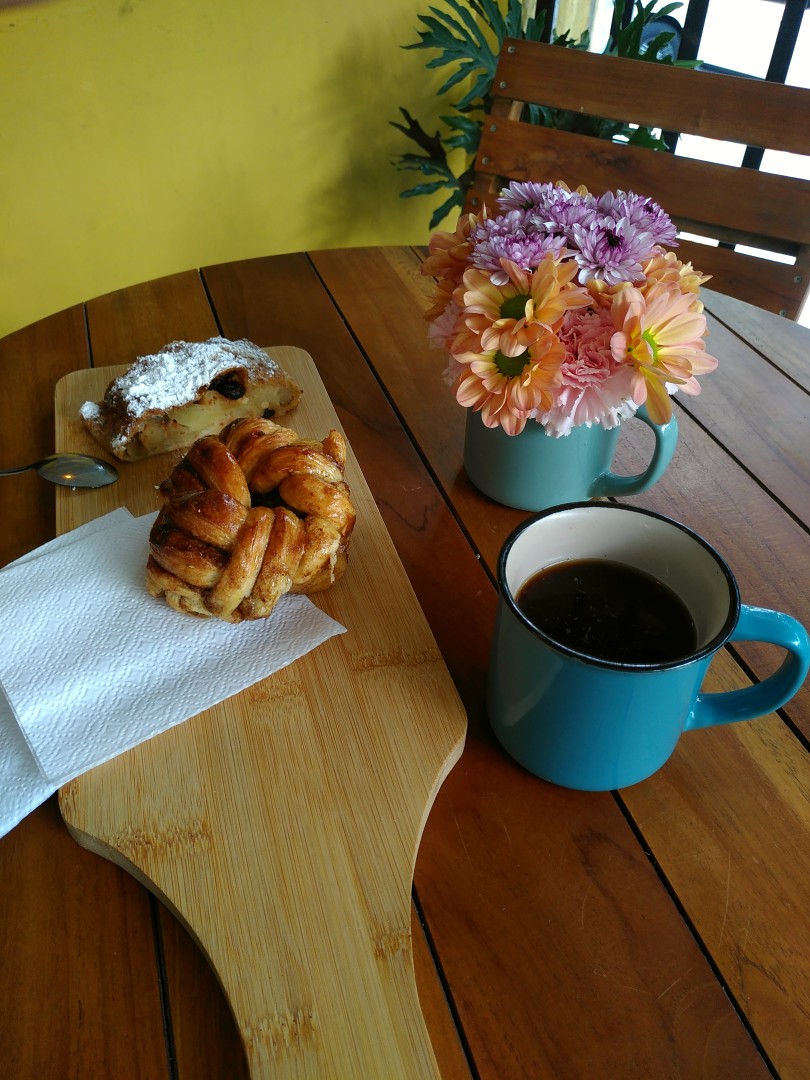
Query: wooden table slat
point(759, 416)
point(659, 931)
point(30, 359)
point(76, 933)
point(724, 502)
point(779, 341)
point(140, 320)
point(460, 927)
point(123, 325)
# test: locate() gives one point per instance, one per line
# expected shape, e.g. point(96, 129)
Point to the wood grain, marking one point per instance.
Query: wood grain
point(657, 932)
point(706, 489)
point(200, 1027)
point(30, 358)
point(742, 110)
point(297, 888)
point(728, 819)
point(141, 319)
point(731, 405)
point(725, 203)
point(76, 933)
point(88, 976)
point(778, 341)
point(503, 854)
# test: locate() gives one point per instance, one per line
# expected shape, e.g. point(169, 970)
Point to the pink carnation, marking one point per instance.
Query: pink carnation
point(443, 327)
point(595, 388)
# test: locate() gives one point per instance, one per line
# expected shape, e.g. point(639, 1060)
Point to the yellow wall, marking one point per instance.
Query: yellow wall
point(142, 137)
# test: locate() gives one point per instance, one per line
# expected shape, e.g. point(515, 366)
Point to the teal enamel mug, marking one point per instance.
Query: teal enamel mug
point(534, 470)
point(585, 711)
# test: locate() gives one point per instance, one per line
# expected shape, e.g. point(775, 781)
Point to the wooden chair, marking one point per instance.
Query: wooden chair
point(732, 205)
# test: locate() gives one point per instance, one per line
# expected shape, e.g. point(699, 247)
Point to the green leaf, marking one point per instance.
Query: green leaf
point(424, 189)
point(493, 17)
point(654, 47)
point(643, 136)
point(438, 216)
point(467, 39)
point(514, 17)
point(468, 134)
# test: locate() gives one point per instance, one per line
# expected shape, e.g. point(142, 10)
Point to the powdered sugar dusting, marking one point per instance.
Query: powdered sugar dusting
point(180, 372)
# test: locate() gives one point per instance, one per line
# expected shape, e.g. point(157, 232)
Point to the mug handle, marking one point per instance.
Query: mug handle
point(666, 436)
point(775, 628)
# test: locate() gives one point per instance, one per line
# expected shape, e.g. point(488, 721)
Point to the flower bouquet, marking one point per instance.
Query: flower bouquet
point(566, 309)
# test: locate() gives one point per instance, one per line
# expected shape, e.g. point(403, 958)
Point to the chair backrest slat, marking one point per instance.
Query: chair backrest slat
point(725, 203)
point(733, 108)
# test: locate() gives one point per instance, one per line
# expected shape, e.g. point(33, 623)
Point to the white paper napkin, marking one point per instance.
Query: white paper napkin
point(91, 665)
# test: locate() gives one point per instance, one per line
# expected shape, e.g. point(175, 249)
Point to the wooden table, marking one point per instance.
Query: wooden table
point(659, 931)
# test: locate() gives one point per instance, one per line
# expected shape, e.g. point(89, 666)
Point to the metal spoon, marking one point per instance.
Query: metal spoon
point(71, 470)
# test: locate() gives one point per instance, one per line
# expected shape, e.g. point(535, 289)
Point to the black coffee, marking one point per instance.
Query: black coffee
point(608, 610)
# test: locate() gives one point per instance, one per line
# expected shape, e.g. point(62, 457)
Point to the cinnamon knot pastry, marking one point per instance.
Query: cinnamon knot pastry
point(248, 516)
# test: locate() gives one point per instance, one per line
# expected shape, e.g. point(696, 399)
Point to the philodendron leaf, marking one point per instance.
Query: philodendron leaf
point(467, 38)
point(441, 212)
point(424, 189)
point(468, 133)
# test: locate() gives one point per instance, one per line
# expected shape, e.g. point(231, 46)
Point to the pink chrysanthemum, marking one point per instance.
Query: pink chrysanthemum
point(449, 251)
point(660, 335)
point(506, 390)
point(443, 327)
point(513, 316)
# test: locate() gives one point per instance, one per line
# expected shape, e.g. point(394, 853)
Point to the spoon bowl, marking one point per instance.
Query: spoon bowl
point(70, 470)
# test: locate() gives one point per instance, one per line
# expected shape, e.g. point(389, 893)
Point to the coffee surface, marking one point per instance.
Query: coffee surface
point(608, 610)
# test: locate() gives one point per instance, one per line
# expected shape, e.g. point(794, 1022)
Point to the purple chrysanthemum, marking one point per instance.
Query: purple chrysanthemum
point(610, 236)
point(510, 223)
point(559, 216)
point(643, 213)
point(511, 236)
point(527, 252)
point(526, 196)
point(611, 251)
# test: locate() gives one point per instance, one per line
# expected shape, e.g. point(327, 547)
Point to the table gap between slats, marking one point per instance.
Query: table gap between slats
point(252, 321)
point(351, 316)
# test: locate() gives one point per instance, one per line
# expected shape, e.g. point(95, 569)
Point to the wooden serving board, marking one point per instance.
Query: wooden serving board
point(282, 826)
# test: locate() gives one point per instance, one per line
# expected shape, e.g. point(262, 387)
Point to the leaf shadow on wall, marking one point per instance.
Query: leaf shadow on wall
point(359, 95)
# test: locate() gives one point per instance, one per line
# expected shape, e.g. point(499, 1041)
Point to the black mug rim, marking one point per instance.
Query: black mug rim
point(717, 642)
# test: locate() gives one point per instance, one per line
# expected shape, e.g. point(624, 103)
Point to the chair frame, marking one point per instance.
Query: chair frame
point(726, 203)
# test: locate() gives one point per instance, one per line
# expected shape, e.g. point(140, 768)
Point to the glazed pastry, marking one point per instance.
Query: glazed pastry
point(249, 516)
point(190, 389)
